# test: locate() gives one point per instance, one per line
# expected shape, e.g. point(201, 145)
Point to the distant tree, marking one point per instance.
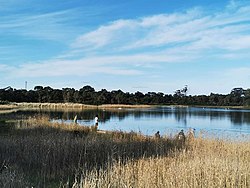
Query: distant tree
point(32, 96)
point(87, 89)
point(87, 95)
point(77, 98)
point(47, 94)
point(239, 92)
point(184, 90)
point(178, 94)
point(103, 97)
point(37, 88)
point(181, 92)
point(118, 97)
point(68, 94)
point(247, 97)
point(138, 98)
point(56, 96)
point(213, 99)
point(39, 91)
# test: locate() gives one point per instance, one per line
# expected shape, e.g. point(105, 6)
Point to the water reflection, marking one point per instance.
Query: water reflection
point(150, 118)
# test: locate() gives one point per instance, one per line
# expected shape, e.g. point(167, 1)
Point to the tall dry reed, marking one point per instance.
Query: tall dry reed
point(206, 163)
point(52, 153)
point(43, 154)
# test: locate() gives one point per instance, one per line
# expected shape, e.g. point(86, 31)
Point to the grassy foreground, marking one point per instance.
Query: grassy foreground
point(205, 163)
point(42, 154)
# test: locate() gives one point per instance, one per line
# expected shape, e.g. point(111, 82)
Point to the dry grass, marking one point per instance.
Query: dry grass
point(7, 106)
point(6, 111)
point(43, 154)
point(9, 177)
point(75, 106)
point(52, 153)
point(58, 106)
point(206, 163)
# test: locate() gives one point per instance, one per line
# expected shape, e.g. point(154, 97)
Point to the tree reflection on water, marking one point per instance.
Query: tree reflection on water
point(237, 117)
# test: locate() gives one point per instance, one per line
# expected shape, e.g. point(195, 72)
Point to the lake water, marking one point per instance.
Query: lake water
point(166, 119)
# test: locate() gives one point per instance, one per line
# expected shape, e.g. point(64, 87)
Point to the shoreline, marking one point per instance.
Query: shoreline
point(74, 106)
point(226, 107)
point(78, 106)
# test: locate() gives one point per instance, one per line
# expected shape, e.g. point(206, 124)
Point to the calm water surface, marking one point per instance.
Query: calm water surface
point(167, 120)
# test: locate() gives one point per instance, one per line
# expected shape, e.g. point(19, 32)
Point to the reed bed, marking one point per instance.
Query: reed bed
point(40, 153)
point(45, 154)
point(59, 106)
point(7, 106)
point(74, 106)
point(205, 163)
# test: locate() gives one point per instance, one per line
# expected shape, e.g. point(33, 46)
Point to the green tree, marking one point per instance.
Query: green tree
point(247, 97)
point(87, 95)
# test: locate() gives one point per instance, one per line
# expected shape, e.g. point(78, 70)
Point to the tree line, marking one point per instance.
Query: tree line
point(88, 95)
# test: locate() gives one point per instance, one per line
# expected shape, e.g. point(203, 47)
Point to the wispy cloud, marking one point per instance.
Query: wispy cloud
point(187, 36)
point(194, 29)
point(71, 67)
point(49, 26)
point(113, 65)
point(4, 68)
point(138, 46)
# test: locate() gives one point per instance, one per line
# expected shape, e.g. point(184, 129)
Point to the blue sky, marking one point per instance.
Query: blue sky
point(132, 45)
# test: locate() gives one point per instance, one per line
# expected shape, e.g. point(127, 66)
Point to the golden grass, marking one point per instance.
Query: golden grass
point(43, 154)
point(48, 153)
point(79, 106)
point(7, 106)
point(75, 106)
point(206, 163)
point(6, 111)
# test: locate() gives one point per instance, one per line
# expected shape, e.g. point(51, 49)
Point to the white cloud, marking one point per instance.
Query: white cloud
point(105, 34)
point(195, 29)
point(132, 47)
point(130, 32)
point(2, 67)
point(47, 26)
point(72, 67)
point(114, 65)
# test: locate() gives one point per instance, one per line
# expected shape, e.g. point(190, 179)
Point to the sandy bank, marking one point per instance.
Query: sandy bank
point(78, 106)
point(75, 106)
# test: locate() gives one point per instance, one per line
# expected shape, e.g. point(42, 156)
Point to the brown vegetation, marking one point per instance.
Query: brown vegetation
point(43, 154)
point(7, 106)
point(48, 153)
point(73, 106)
point(205, 163)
